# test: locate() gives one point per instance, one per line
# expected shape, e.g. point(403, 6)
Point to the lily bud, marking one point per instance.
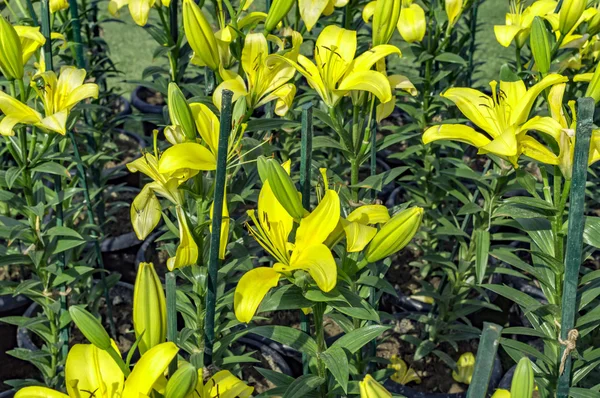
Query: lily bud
point(453, 10)
point(395, 234)
point(522, 381)
point(200, 36)
point(278, 10)
point(145, 212)
point(282, 186)
point(183, 382)
point(593, 89)
point(594, 25)
point(540, 45)
point(466, 367)
point(180, 112)
point(11, 62)
point(412, 24)
point(149, 308)
point(370, 388)
point(500, 393)
point(570, 12)
point(91, 327)
point(385, 20)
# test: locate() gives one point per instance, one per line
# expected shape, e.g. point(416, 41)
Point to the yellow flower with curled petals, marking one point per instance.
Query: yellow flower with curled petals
point(503, 117)
point(271, 229)
point(519, 21)
point(412, 24)
point(311, 10)
point(404, 374)
point(266, 79)
point(89, 369)
point(370, 388)
point(222, 384)
point(336, 71)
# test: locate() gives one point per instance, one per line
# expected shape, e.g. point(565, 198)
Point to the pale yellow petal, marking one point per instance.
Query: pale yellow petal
point(250, 291)
point(317, 226)
point(455, 132)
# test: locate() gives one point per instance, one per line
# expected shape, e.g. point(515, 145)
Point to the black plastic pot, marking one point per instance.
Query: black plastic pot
point(120, 117)
point(409, 392)
point(119, 174)
point(144, 252)
point(12, 305)
point(146, 108)
point(263, 345)
point(7, 394)
point(124, 241)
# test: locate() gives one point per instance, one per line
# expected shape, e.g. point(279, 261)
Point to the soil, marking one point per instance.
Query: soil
point(122, 262)
point(435, 375)
point(12, 368)
point(120, 222)
point(292, 319)
point(128, 149)
point(151, 97)
point(158, 256)
point(253, 377)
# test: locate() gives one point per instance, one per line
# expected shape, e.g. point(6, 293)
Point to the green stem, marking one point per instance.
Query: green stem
point(518, 59)
point(171, 286)
point(318, 312)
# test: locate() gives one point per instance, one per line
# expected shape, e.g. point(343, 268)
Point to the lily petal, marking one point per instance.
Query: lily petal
point(530, 147)
point(505, 34)
point(318, 261)
point(520, 113)
point(145, 212)
point(187, 251)
point(504, 145)
point(358, 236)
point(475, 106)
point(369, 214)
point(188, 155)
point(89, 368)
point(311, 10)
point(372, 81)
point(39, 392)
point(149, 369)
point(455, 132)
point(250, 291)
point(317, 226)
point(545, 124)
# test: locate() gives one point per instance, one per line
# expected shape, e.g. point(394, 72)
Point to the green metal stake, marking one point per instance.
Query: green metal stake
point(215, 237)
point(76, 27)
point(32, 13)
point(473, 29)
point(484, 364)
point(171, 285)
point(305, 177)
point(585, 118)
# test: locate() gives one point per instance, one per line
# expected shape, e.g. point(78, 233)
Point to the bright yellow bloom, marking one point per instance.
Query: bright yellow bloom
point(311, 10)
point(385, 15)
point(466, 367)
point(308, 253)
point(357, 227)
point(145, 209)
point(59, 96)
point(58, 5)
point(139, 9)
point(404, 374)
point(11, 63)
point(504, 117)
point(266, 79)
point(571, 38)
point(500, 393)
point(90, 370)
point(222, 384)
point(370, 388)
point(32, 40)
point(337, 72)
point(519, 20)
point(412, 24)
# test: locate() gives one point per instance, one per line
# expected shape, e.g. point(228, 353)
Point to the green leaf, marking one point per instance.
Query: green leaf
point(337, 362)
point(287, 297)
point(356, 339)
point(451, 58)
point(11, 176)
point(289, 336)
point(424, 349)
point(381, 284)
point(52, 168)
point(270, 124)
point(377, 182)
point(302, 386)
point(482, 246)
point(575, 392)
point(66, 244)
point(526, 349)
point(277, 378)
point(63, 231)
point(591, 231)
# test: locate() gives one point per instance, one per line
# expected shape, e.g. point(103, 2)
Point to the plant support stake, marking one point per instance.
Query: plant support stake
point(484, 364)
point(76, 27)
point(170, 282)
point(305, 177)
point(585, 118)
point(215, 237)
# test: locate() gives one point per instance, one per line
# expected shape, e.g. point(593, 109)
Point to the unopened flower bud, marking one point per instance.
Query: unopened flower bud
point(593, 89)
point(523, 380)
point(370, 388)
point(278, 11)
point(200, 36)
point(466, 367)
point(282, 186)
point(570, 12)
point(594, 25)
point(180, 112)
point(453, 10)
point(11, 61)
point(395, 234)
point(145, 212)
point(385, 20)
point(183, 382)
point(540, 45)
point(91, 327)
point(149, 308)
point(412, 24)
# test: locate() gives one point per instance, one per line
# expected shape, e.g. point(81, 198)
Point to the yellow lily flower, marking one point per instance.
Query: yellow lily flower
point(519, 21)
point(501, 393)
point(311, 10)
point(223, 385)
point(267, 80)
point(59, 96)
point(504, 118)
point(566, 138)
point(357, 227)
point(17, 45)
point(412, 24)
point(337, 72)
point(149, 308)
point(466, 367)
point(404, 374)
point(370, 388)
point(58, 5)
point(307, 253)
point(139, 9)
point(90, 370)
point(146, 211)
point(453, 10)
point(572, 39)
